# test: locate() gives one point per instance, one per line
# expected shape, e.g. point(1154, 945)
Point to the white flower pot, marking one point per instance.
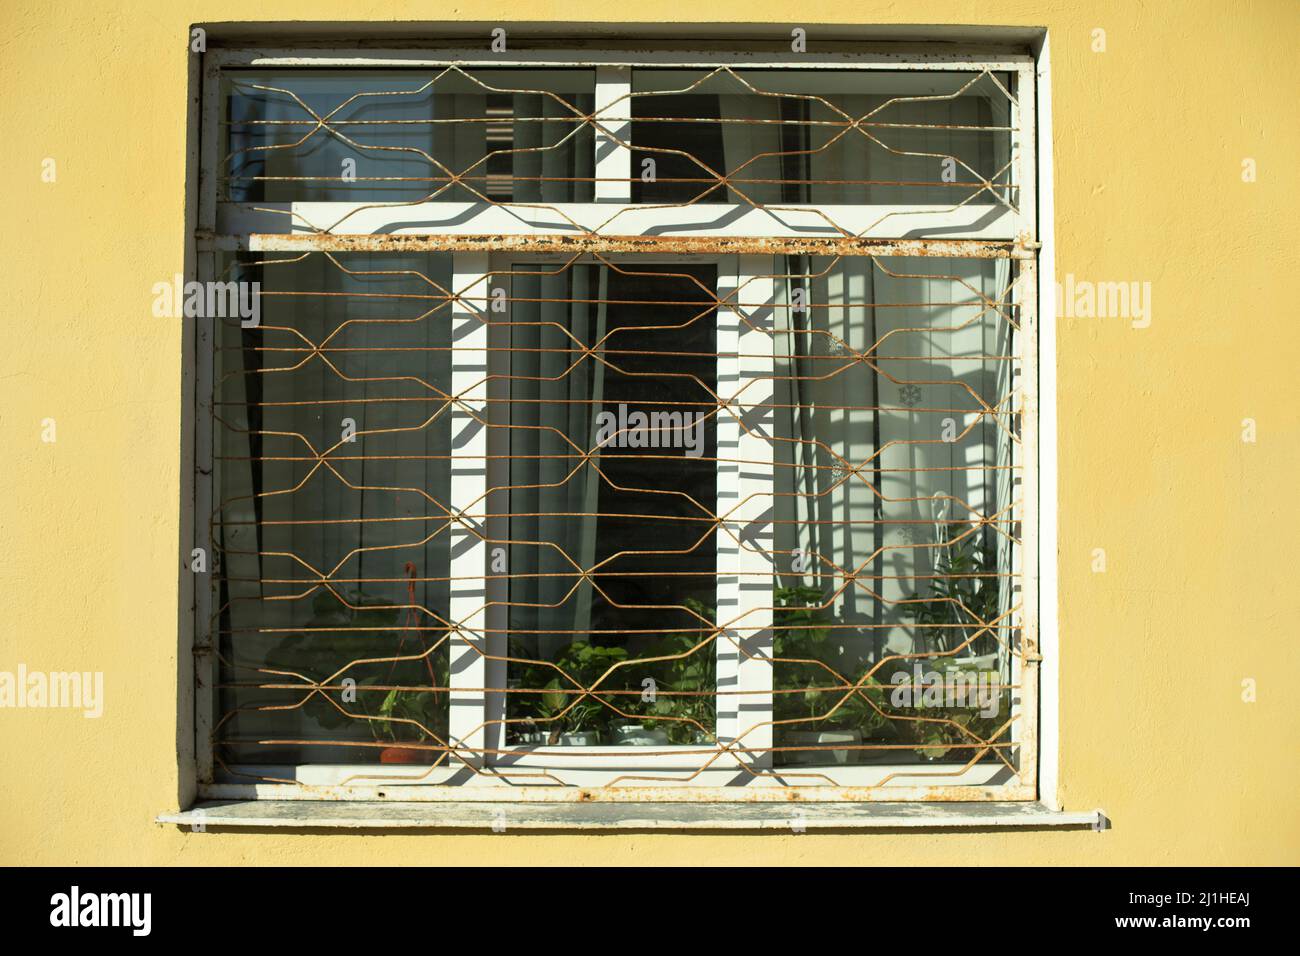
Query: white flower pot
point(822, 738)
point(582, 738)
point(636, 735)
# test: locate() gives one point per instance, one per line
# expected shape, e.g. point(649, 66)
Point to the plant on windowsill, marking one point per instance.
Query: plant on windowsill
point(964, 593)
point(951, 721)
point(413, 714)
point(686, 713)
point(565, 716)
point(353, 626)
point(937, 731)
point(810, 709)
point(411, 721)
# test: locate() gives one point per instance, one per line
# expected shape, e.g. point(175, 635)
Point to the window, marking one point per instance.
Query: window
point(611, 427)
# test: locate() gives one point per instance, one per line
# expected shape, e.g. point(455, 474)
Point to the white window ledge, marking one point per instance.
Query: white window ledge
point(507, 816)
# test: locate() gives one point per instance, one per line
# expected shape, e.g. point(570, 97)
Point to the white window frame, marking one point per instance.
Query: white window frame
point(271, 227)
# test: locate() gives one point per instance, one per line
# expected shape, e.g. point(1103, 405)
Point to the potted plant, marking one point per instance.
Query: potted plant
point(407, 717)
point(687, 714)
point(567, 719)
point(562, 713)
point(936, 728)
point(939, 731)
point(821, 716)
point(964, 592)
point(350, 636)
point(963, 597)
point(811, 710)
point(523, 689)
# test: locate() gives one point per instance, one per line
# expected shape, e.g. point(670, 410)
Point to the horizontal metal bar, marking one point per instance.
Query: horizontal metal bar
point(971, 60)
point(674, 245)
point(785, 816)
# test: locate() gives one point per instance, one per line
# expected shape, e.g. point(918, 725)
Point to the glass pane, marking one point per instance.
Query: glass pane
point(821, 137)
point(332, 442)
point(612, 472)
point(894, 464)
point(409, 136)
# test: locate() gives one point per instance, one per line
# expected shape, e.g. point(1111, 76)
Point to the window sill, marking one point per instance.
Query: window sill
point(507, 816)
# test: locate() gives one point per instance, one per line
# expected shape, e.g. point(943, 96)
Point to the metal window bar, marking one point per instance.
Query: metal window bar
point(455, 340)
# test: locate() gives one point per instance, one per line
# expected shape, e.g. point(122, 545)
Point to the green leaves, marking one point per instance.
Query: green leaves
point(580, 712)
point(799, 622)
point(965, 593)
point(356, 626)
point(941, 730)
point(802, 646)
point(425, 708)
point(682, 662)
point(584, 664)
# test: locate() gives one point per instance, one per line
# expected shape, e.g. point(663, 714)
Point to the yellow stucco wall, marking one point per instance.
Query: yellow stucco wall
point(1199, 527)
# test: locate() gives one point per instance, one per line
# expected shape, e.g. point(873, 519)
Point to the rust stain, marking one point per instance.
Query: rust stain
point(579, 244)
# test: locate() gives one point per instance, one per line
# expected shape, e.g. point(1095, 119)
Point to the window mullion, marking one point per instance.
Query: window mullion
point(613, 136)
point(466, 610)
point(745, 487)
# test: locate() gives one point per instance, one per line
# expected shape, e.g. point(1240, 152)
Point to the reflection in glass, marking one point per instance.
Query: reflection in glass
point(612, 472)
point(786, 137)
point(401, 136)
point(332, 476)
point(894, 478)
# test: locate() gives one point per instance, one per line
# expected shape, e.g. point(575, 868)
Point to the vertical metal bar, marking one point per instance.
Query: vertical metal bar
point(1025, 557)
point(205, 662)
point(1047, 711)
point(186, 737)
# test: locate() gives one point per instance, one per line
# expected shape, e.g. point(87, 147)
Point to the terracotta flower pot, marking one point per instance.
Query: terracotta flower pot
point(405, 755)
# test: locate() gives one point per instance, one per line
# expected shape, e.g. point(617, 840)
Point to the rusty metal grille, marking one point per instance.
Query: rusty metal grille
point(617, 432)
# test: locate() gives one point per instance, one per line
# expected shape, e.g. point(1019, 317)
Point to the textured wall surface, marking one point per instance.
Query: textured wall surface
point(1198, 525)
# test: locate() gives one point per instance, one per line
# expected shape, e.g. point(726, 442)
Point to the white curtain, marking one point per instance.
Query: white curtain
point(554, 156)
point(556, 393)
point(459, 146)
point(743, 141)
point(933, 340)
point(362, 525)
